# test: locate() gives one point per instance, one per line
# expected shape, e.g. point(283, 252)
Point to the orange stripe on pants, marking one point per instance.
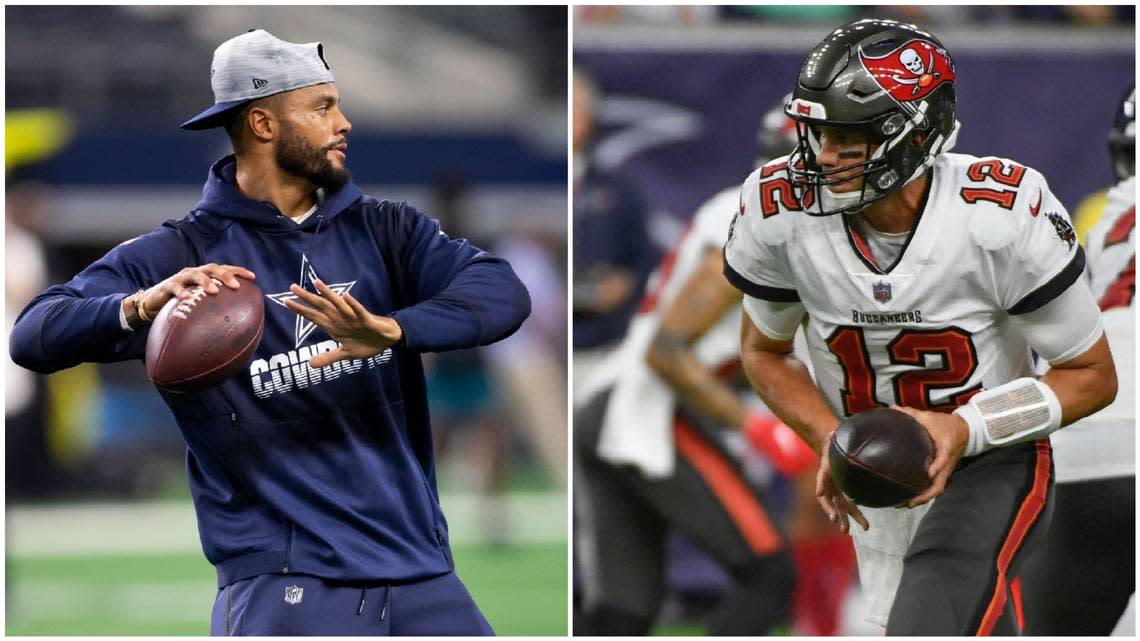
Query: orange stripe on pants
point(1018, 609)
point(722, 478)
point(1026, 516)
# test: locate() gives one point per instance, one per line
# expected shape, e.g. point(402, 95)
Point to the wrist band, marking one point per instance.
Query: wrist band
point(1020, 410)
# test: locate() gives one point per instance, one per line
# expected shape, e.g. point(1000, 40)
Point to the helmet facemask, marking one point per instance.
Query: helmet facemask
point(898, 150)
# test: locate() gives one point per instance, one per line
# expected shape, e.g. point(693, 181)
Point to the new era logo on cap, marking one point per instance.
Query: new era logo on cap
point(255, 65)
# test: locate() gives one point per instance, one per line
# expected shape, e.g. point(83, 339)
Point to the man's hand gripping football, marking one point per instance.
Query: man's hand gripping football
point(360, 333)
point(950, 435)
point(182, 284)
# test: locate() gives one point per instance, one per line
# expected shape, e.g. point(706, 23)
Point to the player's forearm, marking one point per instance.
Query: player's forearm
point(785, 385)
point(1086, 385)
point(484, 303)
point(57, 331)
point(696, 387)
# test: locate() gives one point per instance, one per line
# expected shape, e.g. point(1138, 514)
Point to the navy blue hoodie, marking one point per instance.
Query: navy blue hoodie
point(328, 471)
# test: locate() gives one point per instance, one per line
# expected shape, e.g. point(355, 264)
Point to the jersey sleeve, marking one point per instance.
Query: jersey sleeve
point(1044, 258)
point(755, 254)
point(778, 321)
point(1065, 327)
point(457, 295)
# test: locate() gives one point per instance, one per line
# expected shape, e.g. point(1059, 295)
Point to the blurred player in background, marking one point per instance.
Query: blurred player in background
point(314, 488)
point(650, 458)
point(613, 253)
point(1091, 547)
point(925, 278)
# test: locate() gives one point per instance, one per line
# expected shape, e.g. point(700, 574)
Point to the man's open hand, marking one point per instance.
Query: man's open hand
point(834, 503)
point(360, 333)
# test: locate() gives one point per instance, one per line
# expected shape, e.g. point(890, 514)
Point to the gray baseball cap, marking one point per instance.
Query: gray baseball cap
point(255, 65)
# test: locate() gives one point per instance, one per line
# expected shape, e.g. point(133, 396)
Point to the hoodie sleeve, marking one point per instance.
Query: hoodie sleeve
point(78, 321)
point(460, 296)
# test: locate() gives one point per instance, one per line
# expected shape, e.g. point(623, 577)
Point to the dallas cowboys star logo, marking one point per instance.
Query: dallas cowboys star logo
point(304, 327)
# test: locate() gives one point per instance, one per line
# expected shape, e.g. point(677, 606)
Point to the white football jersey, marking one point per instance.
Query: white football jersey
point(1103, 445)
point(934, 328)
point(638, 422)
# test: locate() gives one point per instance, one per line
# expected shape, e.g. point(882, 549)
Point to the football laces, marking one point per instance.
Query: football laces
point(186, 306)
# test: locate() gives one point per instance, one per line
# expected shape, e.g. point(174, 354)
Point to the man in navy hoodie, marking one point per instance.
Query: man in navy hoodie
point(312, 472)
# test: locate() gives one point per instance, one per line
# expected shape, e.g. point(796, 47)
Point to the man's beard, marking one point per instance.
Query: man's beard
point(296, 156)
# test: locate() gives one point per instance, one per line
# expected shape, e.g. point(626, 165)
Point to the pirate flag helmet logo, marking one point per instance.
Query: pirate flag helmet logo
point(911, 71)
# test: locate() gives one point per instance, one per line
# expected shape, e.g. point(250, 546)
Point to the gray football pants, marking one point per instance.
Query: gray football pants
point(960, 572)
point(624, 520)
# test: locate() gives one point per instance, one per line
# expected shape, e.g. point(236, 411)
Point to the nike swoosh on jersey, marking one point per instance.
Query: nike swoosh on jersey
point(1034, 209)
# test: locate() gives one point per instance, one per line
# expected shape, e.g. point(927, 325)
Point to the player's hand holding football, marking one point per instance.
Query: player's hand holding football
point(360, 333)
point(950, 436)
point(831, 499)
point(181, 284)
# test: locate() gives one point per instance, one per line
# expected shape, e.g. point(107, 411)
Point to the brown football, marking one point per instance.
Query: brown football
point(200, 341)
point(879, 457)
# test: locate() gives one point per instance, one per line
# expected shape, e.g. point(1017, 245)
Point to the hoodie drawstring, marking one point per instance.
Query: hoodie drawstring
point(383, 608)
point(309, 245)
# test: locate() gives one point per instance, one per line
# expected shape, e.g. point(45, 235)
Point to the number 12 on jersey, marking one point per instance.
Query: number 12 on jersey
point(912, 387)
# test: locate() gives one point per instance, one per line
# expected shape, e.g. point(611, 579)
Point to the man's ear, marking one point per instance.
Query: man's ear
point(262, 123)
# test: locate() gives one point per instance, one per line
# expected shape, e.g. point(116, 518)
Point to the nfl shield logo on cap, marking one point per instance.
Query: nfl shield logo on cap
point(882, 291)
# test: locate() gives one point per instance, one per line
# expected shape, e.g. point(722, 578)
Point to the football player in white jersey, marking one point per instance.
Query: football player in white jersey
point(649, 458)
point(1091, 547)
point(925, 280)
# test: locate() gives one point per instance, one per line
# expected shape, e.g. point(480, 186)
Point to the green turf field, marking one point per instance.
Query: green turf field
point(101, 588)
point(521, 589)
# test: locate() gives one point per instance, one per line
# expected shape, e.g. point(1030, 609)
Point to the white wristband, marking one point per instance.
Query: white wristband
point(1020, 410)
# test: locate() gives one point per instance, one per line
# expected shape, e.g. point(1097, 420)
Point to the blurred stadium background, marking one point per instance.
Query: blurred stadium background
point(683, 90)
point(459, 110)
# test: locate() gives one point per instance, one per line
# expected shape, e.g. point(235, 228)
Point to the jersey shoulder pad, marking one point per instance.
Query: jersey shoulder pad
point(768, 206)
point(1000, 198)
point(768, 191)
point(756, 253)
point(1022, 226)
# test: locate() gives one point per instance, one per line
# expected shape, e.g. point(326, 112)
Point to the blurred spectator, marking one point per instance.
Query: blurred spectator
point(790, 13)
point(1082, 14)
point(613, 253)
point(31, 470)
point(646, 14)
point(1088, 15)
point(928, 14)
point(530, 366)
point(467, 422)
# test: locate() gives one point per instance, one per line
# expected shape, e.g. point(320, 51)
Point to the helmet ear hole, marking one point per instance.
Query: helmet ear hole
point(892, 125)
